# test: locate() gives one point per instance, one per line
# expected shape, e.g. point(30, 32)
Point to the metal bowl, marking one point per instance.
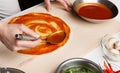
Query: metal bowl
point(106, 3)
point(79, 62)
point(10, 70)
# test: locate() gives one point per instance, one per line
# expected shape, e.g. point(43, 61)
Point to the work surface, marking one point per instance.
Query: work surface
point(84, 37)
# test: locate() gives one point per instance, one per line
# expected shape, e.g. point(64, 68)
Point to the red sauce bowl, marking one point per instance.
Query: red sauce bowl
point(95, 10)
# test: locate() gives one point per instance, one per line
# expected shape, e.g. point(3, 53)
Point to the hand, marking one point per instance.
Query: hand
point(7, 36)
point(65, 3)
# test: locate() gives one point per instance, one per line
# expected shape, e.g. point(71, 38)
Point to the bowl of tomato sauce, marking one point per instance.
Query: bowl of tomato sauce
point(95, 10)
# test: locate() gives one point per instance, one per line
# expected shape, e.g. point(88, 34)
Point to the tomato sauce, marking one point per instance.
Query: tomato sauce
point(94, 11)
point(42, 23)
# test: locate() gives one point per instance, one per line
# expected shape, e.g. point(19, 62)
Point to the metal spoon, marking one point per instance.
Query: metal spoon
point(53, 38)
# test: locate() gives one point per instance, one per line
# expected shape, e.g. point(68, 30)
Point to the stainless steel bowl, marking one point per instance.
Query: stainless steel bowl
point(79, 62)
point(111, 6)
point(10, 70)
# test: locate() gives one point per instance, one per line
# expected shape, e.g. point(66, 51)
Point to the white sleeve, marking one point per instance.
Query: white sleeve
point(8, 7)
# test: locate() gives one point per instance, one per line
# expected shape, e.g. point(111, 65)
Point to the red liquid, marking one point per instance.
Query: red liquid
point(94, 11)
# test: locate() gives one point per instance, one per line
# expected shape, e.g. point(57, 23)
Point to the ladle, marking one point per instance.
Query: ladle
point(53, 38)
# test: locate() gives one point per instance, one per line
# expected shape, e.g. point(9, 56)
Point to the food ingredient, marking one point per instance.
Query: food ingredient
point(44, 24)
point(109, 69)
point(94, 11)
point(80, 69)
point(112, 44)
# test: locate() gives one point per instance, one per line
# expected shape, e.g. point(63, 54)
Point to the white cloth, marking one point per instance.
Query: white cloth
point(8, 7)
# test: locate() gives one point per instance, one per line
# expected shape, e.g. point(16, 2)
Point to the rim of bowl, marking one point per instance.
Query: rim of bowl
point(77, 59)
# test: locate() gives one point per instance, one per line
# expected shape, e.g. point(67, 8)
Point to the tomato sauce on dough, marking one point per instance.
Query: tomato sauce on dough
point(44, 24)
point(94, 11)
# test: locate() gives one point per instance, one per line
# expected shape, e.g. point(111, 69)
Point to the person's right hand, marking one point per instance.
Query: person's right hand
point(7, 36)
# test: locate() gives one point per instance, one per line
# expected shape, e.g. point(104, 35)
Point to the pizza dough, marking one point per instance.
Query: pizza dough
point(44, 24)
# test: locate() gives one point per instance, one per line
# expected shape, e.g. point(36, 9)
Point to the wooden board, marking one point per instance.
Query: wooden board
point(84, 37)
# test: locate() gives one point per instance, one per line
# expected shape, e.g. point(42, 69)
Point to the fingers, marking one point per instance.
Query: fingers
point(48, 5)
point(23, 44)
point(18, 48)
point(29, 31)
point(27, 44)
point(66, 4)
point(9, 40)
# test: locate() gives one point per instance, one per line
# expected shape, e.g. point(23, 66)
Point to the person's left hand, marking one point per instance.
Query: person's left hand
point(67, 5)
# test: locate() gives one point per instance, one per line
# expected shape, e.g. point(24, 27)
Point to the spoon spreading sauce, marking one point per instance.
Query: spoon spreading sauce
point(44, 24)
point(94, 11)
point(54, 38)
